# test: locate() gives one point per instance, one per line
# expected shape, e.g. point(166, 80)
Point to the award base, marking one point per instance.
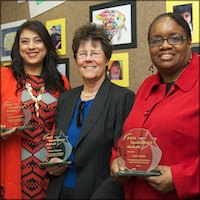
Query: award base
point(19, 128)
point(138, 173)
point(50, 164)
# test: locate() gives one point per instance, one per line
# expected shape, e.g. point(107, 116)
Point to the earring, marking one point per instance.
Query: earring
point(151, 69)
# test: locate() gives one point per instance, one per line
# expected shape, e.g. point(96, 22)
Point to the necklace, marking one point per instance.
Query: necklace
point(89, 95)
point(35, 99)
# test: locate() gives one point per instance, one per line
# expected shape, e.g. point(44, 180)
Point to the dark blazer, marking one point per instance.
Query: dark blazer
point(101, 129)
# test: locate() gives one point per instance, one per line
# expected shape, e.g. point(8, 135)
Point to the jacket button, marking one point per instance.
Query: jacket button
point(146, 113)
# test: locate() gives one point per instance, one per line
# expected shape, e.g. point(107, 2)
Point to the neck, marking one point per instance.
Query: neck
point(33, 70)
point(88, 94)
point(92, 85)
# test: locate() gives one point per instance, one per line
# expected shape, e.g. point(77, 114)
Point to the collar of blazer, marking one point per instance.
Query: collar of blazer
point(95, 110)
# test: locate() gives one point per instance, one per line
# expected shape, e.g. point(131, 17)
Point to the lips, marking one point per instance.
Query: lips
point(89, 67)
point(166, 56)
point(32, 54)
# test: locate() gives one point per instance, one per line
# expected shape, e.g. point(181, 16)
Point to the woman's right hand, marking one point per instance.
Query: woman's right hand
point(56, 169)
point(118, 164)
point(7, 133)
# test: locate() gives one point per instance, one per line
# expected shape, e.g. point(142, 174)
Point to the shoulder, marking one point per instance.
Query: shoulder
point(72, 92)
point(6, 70)
point(148, 84)
point(6, 73)
point(118, 90)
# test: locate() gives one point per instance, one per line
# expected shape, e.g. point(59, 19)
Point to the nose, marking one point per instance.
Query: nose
point(165, 43)
point(31, 45)
point(89, 56)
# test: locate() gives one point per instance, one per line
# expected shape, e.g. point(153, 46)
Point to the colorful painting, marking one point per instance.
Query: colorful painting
point(118, 20)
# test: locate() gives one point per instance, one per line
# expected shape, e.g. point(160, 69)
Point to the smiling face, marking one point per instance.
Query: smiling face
point(91, 68)
point(169, 59)
point(32, 50)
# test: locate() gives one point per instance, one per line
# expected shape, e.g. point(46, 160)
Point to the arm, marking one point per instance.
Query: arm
point(186, 178)
point(124, 105)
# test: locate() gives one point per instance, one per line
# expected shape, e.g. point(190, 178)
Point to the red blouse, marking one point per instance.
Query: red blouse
point(174, 120)
point(21, 177)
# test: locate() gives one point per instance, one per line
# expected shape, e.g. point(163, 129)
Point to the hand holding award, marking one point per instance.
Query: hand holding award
point(56, 149)
point(14, 114)
point(140, 153)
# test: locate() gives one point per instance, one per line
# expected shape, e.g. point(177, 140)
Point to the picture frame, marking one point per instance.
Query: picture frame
point(178, 6)
point(59, 27)
point(8, 33)
point(37, 7)
point(63, 67)
point(123, 60)
point(122, 28)
point(6, 64)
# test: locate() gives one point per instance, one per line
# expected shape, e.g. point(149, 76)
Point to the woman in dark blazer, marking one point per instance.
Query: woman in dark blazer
point(91, 116)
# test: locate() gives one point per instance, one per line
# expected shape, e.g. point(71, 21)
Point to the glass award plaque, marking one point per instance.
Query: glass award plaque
point(55, 146)
point(14, 114)
point(140, 153)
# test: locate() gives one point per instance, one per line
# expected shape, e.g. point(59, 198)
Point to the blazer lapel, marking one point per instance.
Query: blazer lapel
point(95, 110)
point(69, 109)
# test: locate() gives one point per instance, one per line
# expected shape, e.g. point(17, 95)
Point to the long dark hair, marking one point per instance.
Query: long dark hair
point(52, 78)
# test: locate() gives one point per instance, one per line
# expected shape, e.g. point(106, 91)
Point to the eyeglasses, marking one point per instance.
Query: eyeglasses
point(93, 54)
point(173, 40)
point(79, 117)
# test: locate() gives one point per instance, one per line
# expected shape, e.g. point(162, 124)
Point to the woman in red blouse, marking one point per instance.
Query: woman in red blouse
point(33, 81)
point(167, 105)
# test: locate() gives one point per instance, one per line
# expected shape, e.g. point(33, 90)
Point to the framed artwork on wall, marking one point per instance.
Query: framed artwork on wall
point(8, 33)
point(118, 69)
point(37, 7)
point(118, 18)
point(57, 30)
point(190, 12)
point(63, 67)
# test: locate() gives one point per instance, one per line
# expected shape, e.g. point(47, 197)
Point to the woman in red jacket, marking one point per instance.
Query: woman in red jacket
point(167, 105)
point(32, 81)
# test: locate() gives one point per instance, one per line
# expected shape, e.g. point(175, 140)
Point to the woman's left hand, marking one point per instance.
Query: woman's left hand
point(163, 183)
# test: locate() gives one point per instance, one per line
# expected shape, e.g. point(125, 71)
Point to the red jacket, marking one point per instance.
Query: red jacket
point(11, 147)
point(174, 120)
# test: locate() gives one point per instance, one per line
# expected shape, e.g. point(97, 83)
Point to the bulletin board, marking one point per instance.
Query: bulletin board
point(76, 14)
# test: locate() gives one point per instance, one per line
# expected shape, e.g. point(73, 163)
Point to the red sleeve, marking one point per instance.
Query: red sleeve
point(114, 153)
point(186, 178)
point(66, 82)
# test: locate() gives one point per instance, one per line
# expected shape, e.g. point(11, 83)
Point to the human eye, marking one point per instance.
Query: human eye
point(155, 41)
point(38, 40)
point(96, 53)
point(175, 38)
point(82, 54)
point(24, 41)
